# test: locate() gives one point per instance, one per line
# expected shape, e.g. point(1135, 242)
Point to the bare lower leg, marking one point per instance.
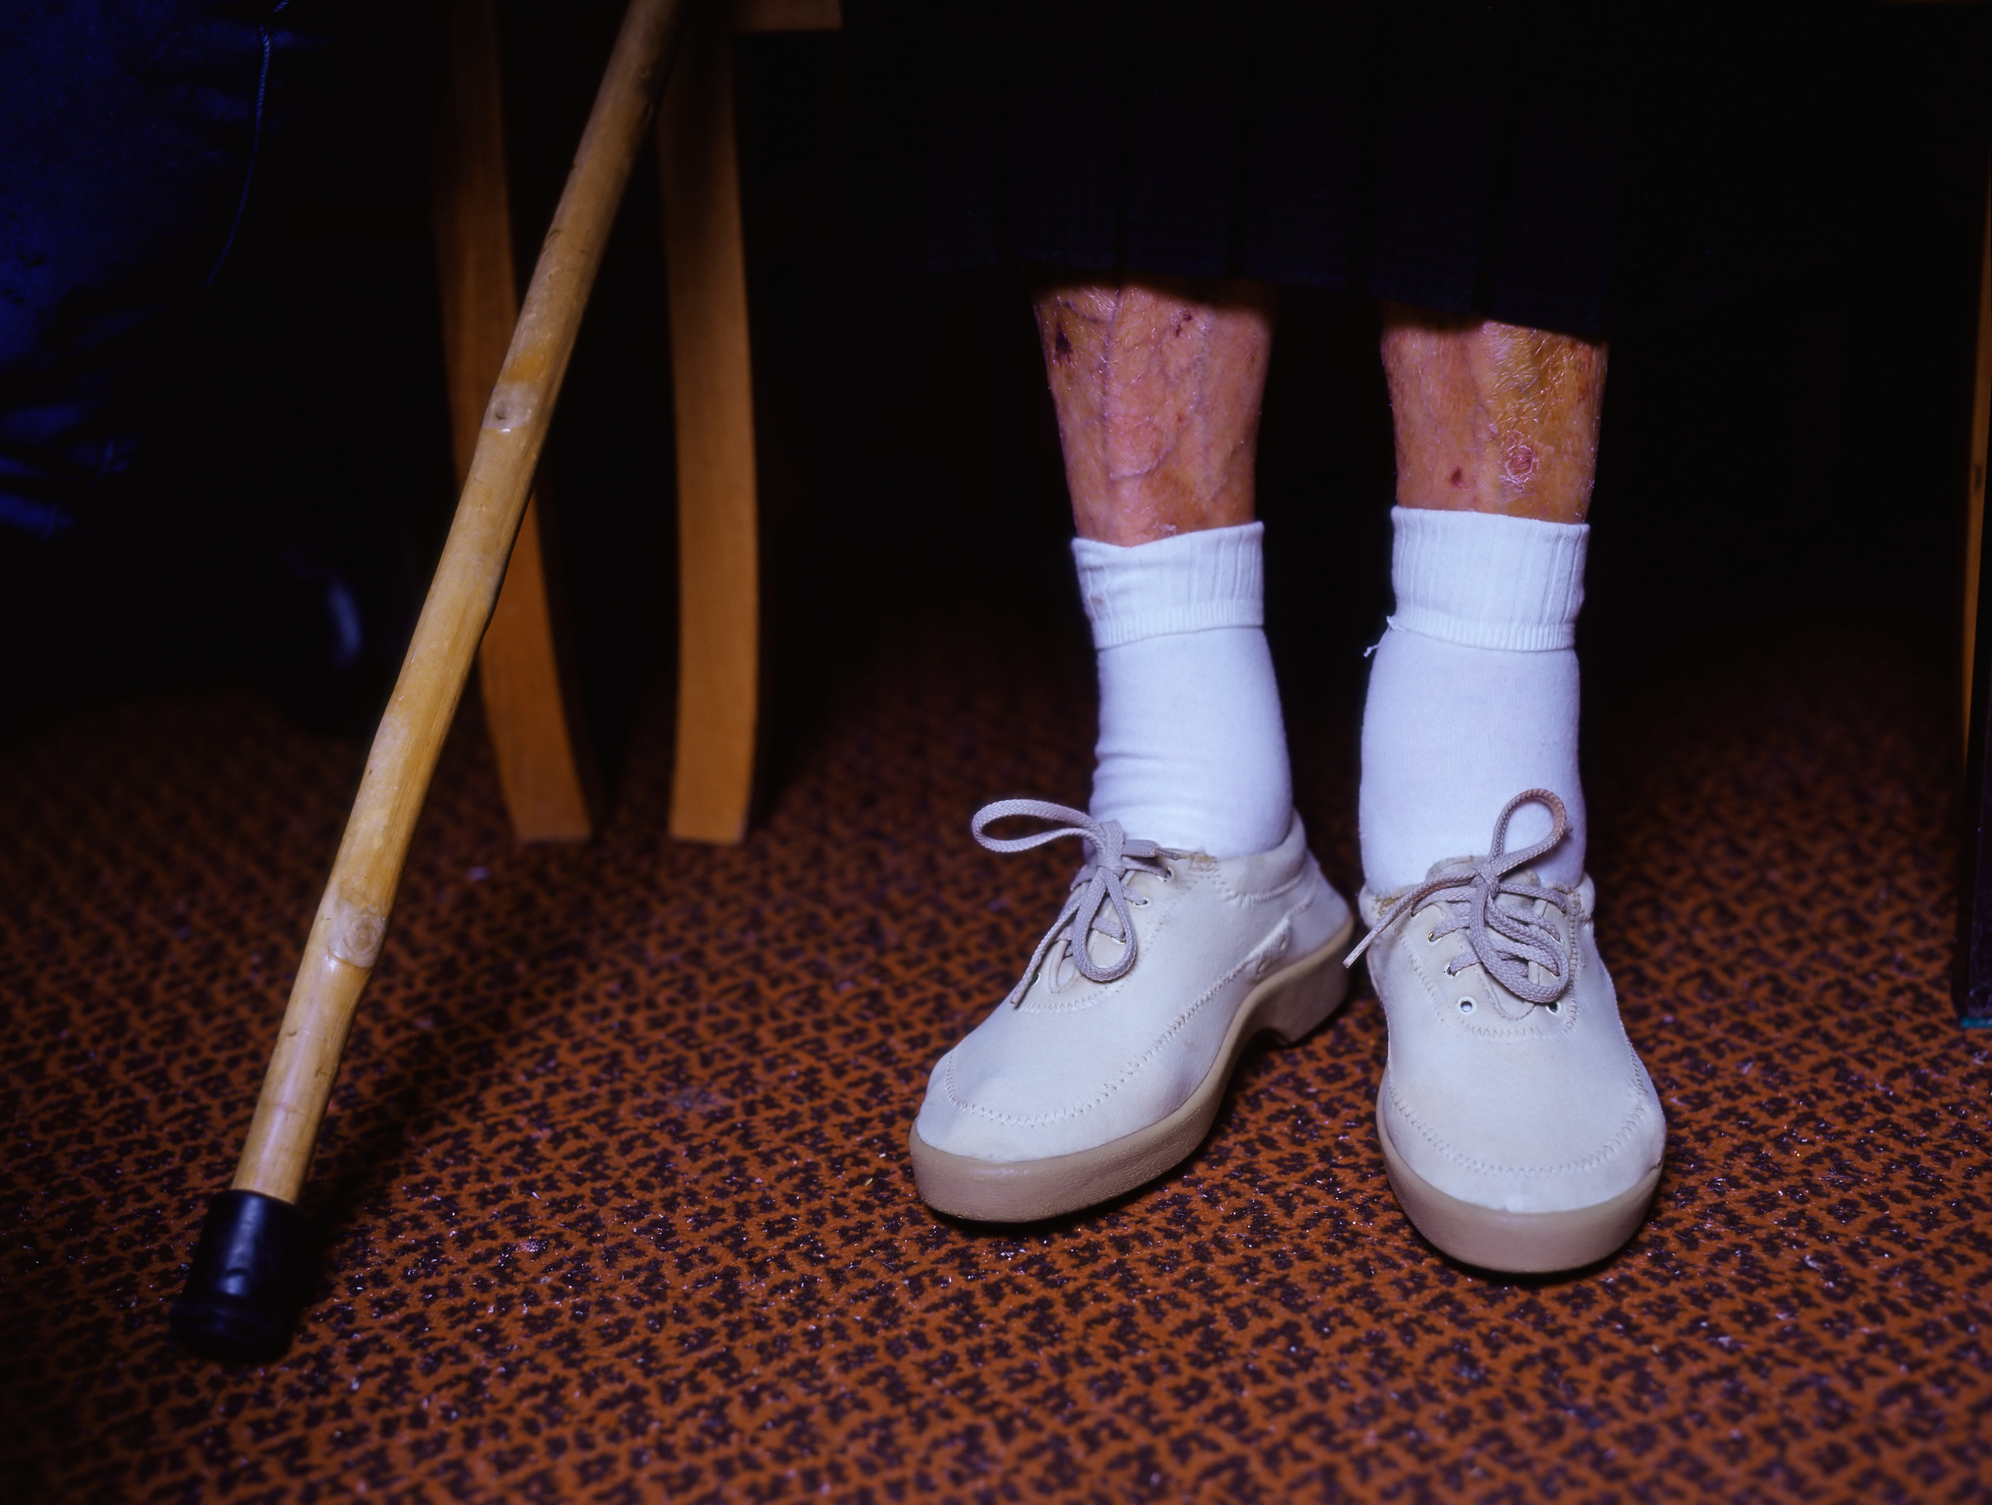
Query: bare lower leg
point(1157, 383)
point(1492, 417)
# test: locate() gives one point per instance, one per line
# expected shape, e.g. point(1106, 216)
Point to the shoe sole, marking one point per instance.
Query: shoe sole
point(1287, 1005)
point(1515, 1243)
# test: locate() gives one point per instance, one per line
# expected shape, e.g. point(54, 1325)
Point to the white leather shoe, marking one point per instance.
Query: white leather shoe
point(1519, 1128)
point(1108, 1061)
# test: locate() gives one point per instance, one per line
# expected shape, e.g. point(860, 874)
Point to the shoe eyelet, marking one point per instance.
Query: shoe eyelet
point(1431, 938)
point(1555, 1007)
point(1139, 903)
point(1467, 1005)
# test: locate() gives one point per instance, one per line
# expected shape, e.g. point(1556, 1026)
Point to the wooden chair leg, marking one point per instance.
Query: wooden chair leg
point(542, 767)
point(713, 397)
point(1981, 431)
point(1974, 958)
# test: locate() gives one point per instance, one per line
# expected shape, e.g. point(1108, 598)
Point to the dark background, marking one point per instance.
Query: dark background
point(1785, 430)
point(577, 1066)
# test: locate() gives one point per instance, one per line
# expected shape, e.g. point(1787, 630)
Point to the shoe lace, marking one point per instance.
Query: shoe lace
point(1501, 940)
point(1098, 898)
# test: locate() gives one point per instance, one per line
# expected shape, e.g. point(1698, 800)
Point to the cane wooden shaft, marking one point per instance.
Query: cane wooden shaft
point(352, 917)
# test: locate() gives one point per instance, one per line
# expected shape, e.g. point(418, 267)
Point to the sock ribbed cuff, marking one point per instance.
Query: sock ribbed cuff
point(1484, 581)
point(1189, 583)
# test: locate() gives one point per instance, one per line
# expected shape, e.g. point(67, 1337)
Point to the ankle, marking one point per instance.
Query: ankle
point(1473, 694)
point(1192, 752)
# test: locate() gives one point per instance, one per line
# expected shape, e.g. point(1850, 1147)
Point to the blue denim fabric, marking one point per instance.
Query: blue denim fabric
point(130, 133)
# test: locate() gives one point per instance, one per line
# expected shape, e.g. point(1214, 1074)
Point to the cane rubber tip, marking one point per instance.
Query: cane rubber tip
point(241, 1297)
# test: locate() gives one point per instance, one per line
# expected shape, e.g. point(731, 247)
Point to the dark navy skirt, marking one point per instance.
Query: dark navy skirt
point(1542, 165)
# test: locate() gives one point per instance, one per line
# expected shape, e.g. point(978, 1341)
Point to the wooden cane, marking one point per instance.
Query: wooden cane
point(240, 1299)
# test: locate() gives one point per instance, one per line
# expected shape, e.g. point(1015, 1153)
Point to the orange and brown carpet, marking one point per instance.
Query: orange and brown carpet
point(613, 1201)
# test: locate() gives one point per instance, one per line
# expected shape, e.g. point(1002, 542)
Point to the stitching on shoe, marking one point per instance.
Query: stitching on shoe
point(1104, 993)
point(1590, 1162)
point(1128, 1072)
point(1307, 867)
point(1637, 1081)
point(1277, 891)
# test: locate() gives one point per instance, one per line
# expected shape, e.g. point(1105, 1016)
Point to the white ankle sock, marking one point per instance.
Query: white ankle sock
point(1192, 753)
point(1473, 694)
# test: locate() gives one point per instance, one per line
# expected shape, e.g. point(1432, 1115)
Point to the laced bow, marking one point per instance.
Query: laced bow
point(1098, 900)
point(1502, 941)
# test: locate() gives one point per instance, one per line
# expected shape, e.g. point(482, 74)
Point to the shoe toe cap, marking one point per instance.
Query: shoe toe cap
point(1024, 1088)
point(1516, 1147)
point(950, 1124)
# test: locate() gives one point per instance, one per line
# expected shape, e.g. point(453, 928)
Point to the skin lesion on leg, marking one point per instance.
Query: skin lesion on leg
point(1492, 417)
point(1158, 383)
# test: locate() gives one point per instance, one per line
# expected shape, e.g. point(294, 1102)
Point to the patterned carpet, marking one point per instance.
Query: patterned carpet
point(614, 1198)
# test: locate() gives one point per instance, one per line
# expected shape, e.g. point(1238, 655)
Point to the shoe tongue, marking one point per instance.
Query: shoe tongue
point(1522, 877)
point(1105, 951)
point(1463, 867)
